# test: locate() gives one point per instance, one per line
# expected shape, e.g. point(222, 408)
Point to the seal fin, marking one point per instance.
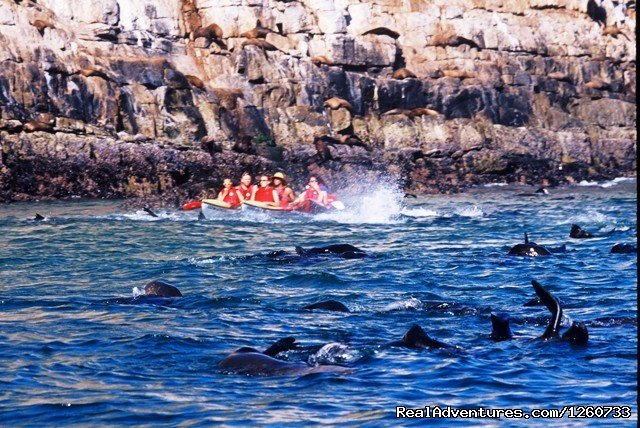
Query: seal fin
point(38, 217)
point(500, 329)
point(300, 251)
point(282, 345)
point(148, 211)
point(553, 304)
point(416, 337)
point(526, 238)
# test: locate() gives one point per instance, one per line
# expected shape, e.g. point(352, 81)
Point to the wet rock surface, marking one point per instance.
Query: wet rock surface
point(163, 99)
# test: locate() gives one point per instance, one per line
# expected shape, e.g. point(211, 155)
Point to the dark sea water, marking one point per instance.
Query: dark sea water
point(77, 349)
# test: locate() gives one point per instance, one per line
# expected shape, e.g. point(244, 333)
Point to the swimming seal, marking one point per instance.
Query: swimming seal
point(624, 249)
point(577, 333)
point(148, 211)
point(579, 233)
point(530, 249)
point(250, 361)
point(500, 329)
point(346, 251)
point(542, 191)
point(328, 305)
point(417, 338)
point(161, 289)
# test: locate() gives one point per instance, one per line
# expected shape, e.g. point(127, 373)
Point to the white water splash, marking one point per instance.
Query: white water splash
point(617, 181)
point(470, 212)
point(606, 184)
point(409, 304)
point(381, 205)
point(590, 217)
point(585, 183)
point(419, 212)
point(334, 353)
point(137, 292)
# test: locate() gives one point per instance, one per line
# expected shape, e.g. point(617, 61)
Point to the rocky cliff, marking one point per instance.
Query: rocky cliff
point(119, 98)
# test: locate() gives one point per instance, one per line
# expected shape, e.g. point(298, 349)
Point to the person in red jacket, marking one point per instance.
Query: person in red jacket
point(245, 188)
point(230, 194)
point(285, 193)
point(315, 192)
point(266, 192)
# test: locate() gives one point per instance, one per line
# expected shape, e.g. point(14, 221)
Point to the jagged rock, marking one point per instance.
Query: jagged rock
point(492, 99)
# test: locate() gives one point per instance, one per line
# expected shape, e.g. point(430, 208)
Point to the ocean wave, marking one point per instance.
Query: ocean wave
point(419, 212)
point(606, 184)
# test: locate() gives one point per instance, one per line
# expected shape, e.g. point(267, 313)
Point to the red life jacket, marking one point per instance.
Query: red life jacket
point(312, 194)
point(284, 198)
point(264, 194)
point(245, 191)
point(231, 197)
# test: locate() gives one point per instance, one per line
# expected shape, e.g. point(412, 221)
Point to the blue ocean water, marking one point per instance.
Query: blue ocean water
point(76, 348)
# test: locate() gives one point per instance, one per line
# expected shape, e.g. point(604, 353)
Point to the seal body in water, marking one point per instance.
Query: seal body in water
point(529, 249)
point(250, 361)
point(161, 289)
point(346, 251)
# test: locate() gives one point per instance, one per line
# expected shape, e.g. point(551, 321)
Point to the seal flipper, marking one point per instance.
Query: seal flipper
point(282, 345)
point(201, 216)
point(38, 217)
point(526, 238)
point(577, 334)
point(300, 251)
point(148, 211)
point(553, 304)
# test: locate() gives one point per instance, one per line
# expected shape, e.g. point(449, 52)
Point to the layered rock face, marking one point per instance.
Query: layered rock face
point(123, 98)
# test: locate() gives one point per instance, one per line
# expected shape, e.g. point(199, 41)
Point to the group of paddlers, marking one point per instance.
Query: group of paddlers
point(273, 191)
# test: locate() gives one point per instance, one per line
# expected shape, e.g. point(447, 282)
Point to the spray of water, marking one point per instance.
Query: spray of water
point(381, 204)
